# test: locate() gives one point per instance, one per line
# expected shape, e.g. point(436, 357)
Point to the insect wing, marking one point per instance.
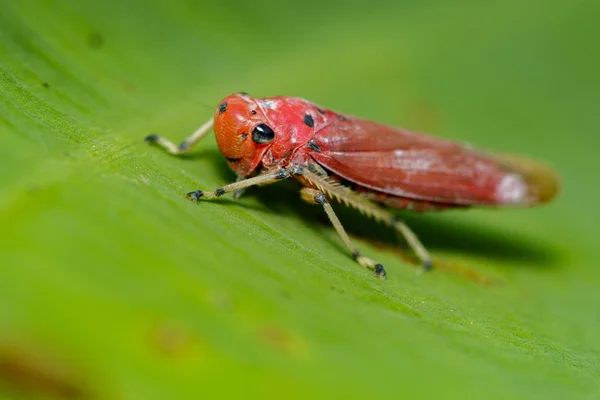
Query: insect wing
point(422, 167)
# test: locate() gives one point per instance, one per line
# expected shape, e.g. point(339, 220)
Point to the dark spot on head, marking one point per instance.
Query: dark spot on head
point(244, 135)
point(231, 159)
point(95, 40)
point(253, 112)
point(308, 120)
point(46, 85)
point(222, 107)
point(262, 133)
point(342, 118)
point(314, 146)
point(321, 110)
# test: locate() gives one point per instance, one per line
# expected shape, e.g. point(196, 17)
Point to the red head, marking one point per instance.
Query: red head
point(246, 128)
point(236, 118)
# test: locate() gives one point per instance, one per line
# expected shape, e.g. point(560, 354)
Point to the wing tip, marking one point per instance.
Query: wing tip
point(544, 185)
point(528, 182)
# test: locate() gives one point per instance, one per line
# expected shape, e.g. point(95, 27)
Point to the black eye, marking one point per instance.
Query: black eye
point(262, 134)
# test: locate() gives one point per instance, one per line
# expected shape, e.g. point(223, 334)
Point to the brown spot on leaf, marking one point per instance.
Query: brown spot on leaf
point(30, 373)
point(281, 339)
point(172, 339)
point(441, 265)
point(464, 271)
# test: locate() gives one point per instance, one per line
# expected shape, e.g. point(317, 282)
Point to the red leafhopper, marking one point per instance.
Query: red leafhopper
point(366, 165)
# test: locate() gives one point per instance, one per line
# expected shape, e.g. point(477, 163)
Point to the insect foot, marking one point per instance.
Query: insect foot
point(151, 138)
point(427, 265)
point(195, 195)
point(379, 271)
point(377, 268)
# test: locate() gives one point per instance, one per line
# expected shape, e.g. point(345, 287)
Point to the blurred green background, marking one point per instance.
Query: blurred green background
point(114, 286)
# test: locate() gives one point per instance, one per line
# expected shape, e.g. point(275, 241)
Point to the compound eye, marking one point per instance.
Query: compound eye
point(262, 134)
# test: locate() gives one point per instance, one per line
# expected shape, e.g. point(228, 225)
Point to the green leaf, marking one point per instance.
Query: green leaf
point(113, 285)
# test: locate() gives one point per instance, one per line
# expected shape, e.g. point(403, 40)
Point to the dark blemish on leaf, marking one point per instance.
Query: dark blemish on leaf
point(95, 40)
point(243, 93)
point(172, 339)
point(280, 339)
point(32, 375)
point(222, 107)
point(320, 110)
point(335, 289)
point(314, 146)
point(46, 85)
point(308, 120)
point(286, 295)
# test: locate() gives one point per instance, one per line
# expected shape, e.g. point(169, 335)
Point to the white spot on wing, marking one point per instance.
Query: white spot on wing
point(511, 190)
point(272, 104)
point(411, 164)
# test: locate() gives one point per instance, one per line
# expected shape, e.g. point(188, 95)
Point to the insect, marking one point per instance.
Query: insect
point(366, 165)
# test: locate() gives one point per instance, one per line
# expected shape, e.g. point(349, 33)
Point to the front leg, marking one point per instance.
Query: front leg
point(264, 179)
point(185, 146)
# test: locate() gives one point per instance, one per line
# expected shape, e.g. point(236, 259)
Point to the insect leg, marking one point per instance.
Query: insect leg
point(263, 179)
point(317, 197)
point(412, 240)
point(367, 207)
point(239, 192)
point(186, 145)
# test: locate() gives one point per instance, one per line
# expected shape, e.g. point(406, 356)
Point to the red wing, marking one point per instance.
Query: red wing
point(421, 167)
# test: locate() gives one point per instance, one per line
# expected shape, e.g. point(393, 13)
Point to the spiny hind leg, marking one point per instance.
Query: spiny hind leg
point(367, 207)
point(314, 196)
point(184, 146)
